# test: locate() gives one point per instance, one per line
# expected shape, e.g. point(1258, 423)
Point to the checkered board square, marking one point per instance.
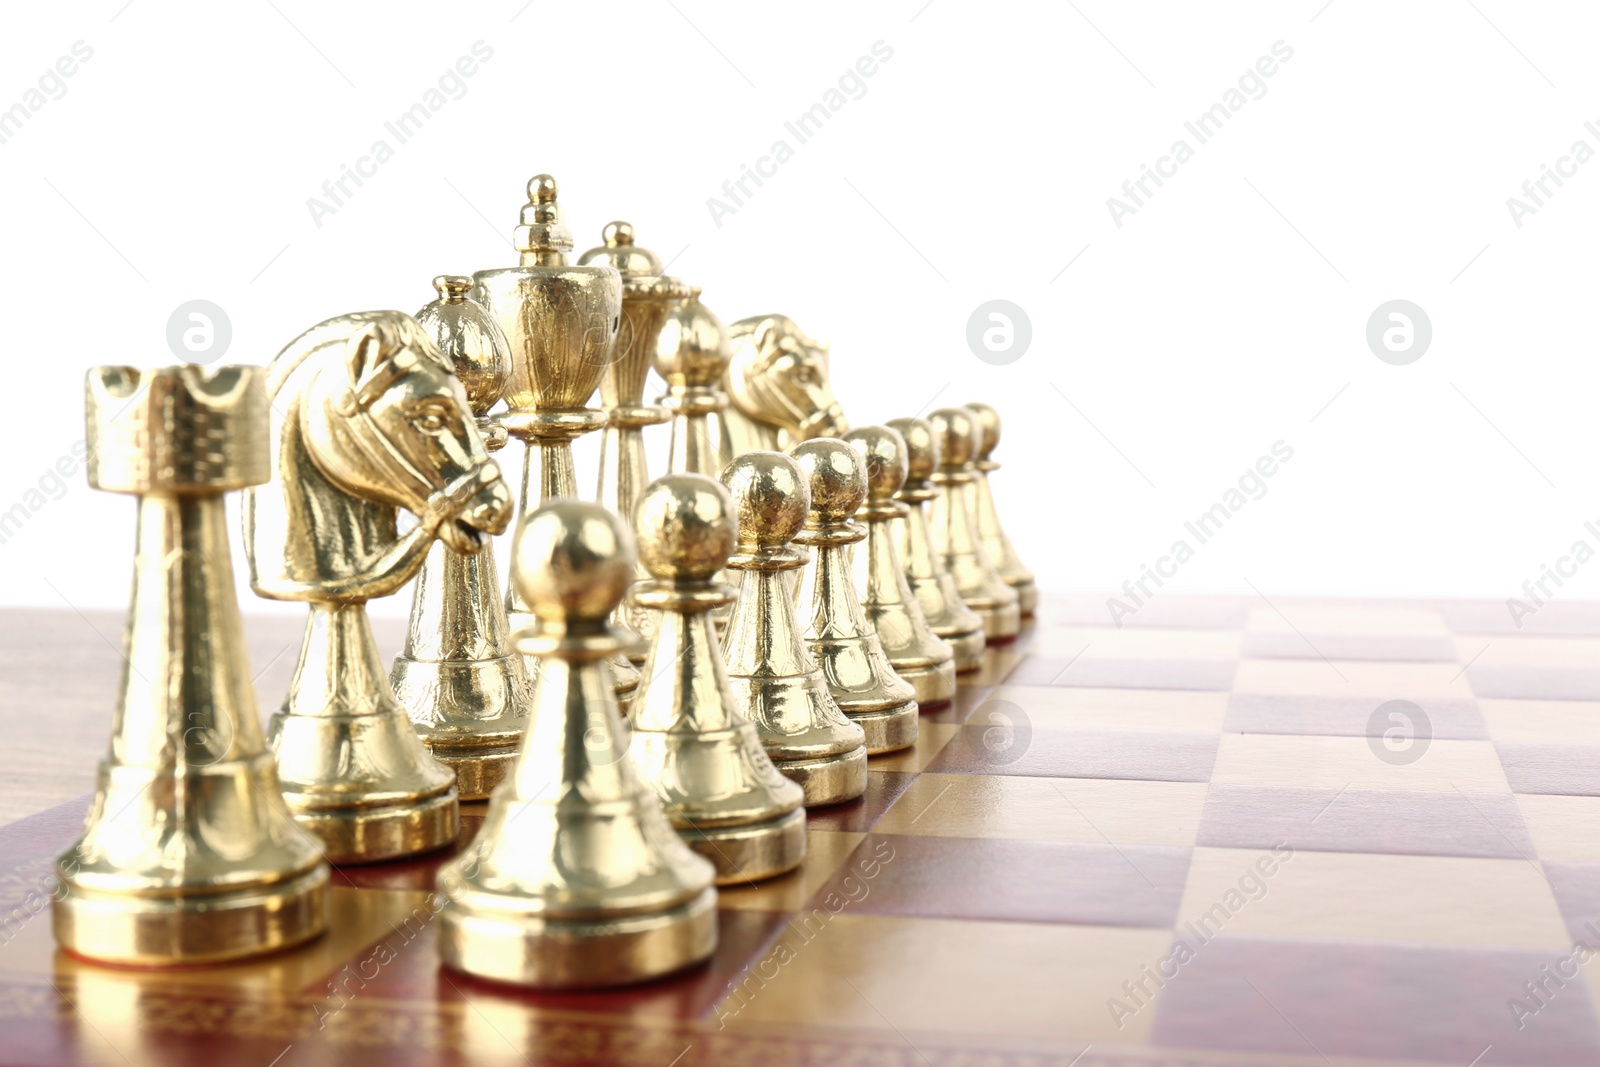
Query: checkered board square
point(1228, 832)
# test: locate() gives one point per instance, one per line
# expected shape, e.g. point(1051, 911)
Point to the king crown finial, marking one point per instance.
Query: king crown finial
point(176, 429)
point(685, 526)
point(883, 451)
point(836, 477)
point(954, 429)
point(543, 239)
point(770, 498)
point(617, 234)
point(572, 562)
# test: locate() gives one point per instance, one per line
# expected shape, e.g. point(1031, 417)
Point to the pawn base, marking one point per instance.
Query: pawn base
point(551, 953)
point(478, 770)
point(888, 730)
point(198, 928)
point(753, 851)
point(1001, 622)
point(934, 683)
point(369, 834)
point(828, 779)
point(969, 648)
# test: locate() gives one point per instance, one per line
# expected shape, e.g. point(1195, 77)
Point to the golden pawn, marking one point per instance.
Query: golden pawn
point(780, 686)
point(576, 879)
point(691, 356)
point(955, 623)
point(690, 740)
point(995, 542)
point(648, 297)
point(862, 682)
point(916, 653)
point(188, 854)
point(955, 528)
point(464, 688)
point(561, 322)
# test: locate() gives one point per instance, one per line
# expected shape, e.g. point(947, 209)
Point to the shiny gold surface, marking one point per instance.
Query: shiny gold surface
point(576, 878)
point(369, 417)
point(188, 854)
point(955, 623)
point(916, 653)
point(561, 323)
point(995, 542)
point(648, 297)
point(780, 687)
point(954, 528)
point(464, 688)
point(858, 673)
point(691, 356)
point(691, 742)
point(777, 385)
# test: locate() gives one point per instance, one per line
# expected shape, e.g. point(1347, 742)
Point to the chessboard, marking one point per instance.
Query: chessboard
point(1228, 832)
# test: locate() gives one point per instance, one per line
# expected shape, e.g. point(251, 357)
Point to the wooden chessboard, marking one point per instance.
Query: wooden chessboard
point(1013, 891)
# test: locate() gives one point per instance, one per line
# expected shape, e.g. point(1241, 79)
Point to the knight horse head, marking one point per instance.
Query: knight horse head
point(368, 417)
point(777, 382)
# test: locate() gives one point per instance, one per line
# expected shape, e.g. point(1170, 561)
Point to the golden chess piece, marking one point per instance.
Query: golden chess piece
point(955, 528)
point(777, 387)
point(463, 686)
point(955, 623)
point(916, 653)
point(690, 740)
point(778, 684)
point(995, 542)
point(859, 676)
point(369, 417)
point(576, 879)
point(561, 322)
point(691, 356)
point(187, 854)
point(648, 297)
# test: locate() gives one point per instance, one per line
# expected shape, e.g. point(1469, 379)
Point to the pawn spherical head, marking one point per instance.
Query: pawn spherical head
point(922, 447)
point(770, 498)
point(883, 451)
point(692, 347)
point(956, 431)
point(572, 560)
point(541, 189)
point(988, 420)
point(685, 527)
point(836, 475)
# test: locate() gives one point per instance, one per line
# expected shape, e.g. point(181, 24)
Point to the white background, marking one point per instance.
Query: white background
point(1228, 313)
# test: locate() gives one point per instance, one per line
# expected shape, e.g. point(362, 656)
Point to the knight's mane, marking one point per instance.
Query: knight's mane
point(276, 515)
